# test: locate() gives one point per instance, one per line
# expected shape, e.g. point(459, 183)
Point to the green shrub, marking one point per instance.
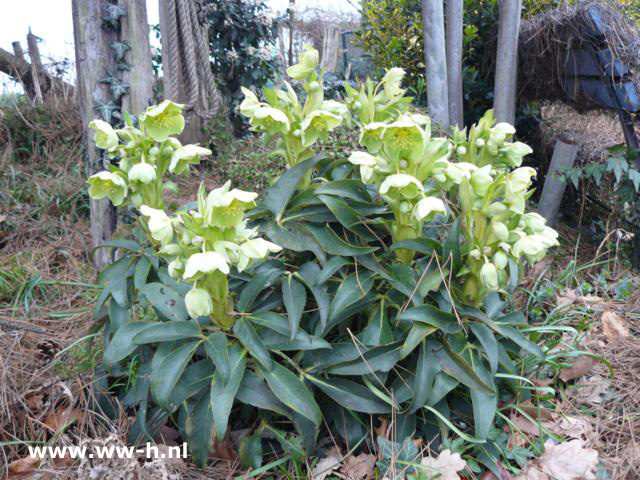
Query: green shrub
point(365, 309)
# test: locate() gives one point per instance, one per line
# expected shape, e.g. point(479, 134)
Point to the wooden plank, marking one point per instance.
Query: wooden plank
point(564, 154)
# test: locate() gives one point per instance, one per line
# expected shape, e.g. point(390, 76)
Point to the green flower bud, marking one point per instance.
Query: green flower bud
point(496, 208)
point(314, 86)
point(481, 180)
point(429, 207)
point(479, 143)
point(461, 150)
point(405, 207)
point(400, 186)
point(500, 231)
point(142, 172)
point(198, 303)
point(489, 277)
point(175, 267)
point(500, 260)
point(392, 82)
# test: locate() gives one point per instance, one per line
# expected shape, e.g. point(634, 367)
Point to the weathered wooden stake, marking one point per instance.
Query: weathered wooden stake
point(93, 59)
point(504, 92)
point(564, 154)
point(454, 30)
point(435, 61)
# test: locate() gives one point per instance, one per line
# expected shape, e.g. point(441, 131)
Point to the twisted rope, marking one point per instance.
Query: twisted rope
point(188, 45)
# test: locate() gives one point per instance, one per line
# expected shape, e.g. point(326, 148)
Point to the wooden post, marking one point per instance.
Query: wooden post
point(564, 154)
point(454, 20)
point(435, 61)
point(292, 8)
point(504, 92)
point(93, 59)
point(36, 65)
point(135, 31)
point(22, 76)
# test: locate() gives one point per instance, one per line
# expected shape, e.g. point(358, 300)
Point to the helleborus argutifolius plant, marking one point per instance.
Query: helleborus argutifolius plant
point(492, 195)
point(202, 244)
point(402, 162)
point(142, 157)
point(297, 127)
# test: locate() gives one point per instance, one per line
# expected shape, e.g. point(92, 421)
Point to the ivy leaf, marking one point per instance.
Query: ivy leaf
point(618, 165)
point(107, 110)
point(118, 89)
point(634, 176)
point(120, 49)
point(574, 175)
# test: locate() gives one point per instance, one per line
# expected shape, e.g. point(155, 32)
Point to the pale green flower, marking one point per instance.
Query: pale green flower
point(520, 179)
point(489, 277)
point(514, 152)
point(534, 221)
point(499, 133)
point(185, 156)
point(530, 245)
point(429, 207)
point(481, 179)
point(392, 82)
point(309, 60)
point(371, 136)
point(142, 172)
point(254, 249)
point(317, 124)
point(404, 139)
point(105, 137)
point(224, 207)
point(175, 267)
point(457, 171)
point(270, 120)
point(205, 262)
point(400, 186)
point(362, 158)
point(163, 120)
point(367, 174)
point(250, 103)
point(496, 208)
point(108, 184)
point(172, 249)
point(336, 108)
point(198, 303)
point(500, 231)
point(159, 224)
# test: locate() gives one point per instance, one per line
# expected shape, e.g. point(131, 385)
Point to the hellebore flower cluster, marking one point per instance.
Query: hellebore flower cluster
point(297, 127)
point(145, 155)
point(201, 245)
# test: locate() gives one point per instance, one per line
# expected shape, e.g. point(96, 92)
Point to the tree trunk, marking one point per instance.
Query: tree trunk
point(504, 93)
point(135, 31)
point(435, 61)
point(93, 59)
point(454, 19)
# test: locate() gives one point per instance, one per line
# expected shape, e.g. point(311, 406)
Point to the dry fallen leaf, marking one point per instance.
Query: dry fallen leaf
point(23, 466)
point(517, 439)
point(327, 465)
point(360, 467)
point(569, 297)
point(224, 450)
point(591, 389)
point(447, 465)
point(574, 427)
point(383, 429)
point(613, 325)
point(569, 461)
point(580, 366)
point(531, 473)
point(62, 418)
point(62, 463)
point(504, 475)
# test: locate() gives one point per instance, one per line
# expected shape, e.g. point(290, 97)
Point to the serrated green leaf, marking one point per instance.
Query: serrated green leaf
point(347, 216)
point(488, 342)
point(142, 272)
point(169, 372)
point(348, 188)
point(255, 392)
point(246, 334)
point(634, 177)
point(223, 393)
point(168, 331)
point(292, 392)
point(456, 366)
point(309, 273)
point(121, 345)
point(292, 236)
point(377, 359)
point(451, 249)
point(332, 266)
point(426, 371)
point(199, 429)
point(278, 196)
point(261, 280)
point(333, 244)
point(294, 297)
point(216, 346)
point(303, 341)
point(118, 315)
point(427, 314)
point(250, 451)
point(377, 332)
point(351, 395)
point(417, 333)
point(166, 300)
point(618, 165)
point(350, 291)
